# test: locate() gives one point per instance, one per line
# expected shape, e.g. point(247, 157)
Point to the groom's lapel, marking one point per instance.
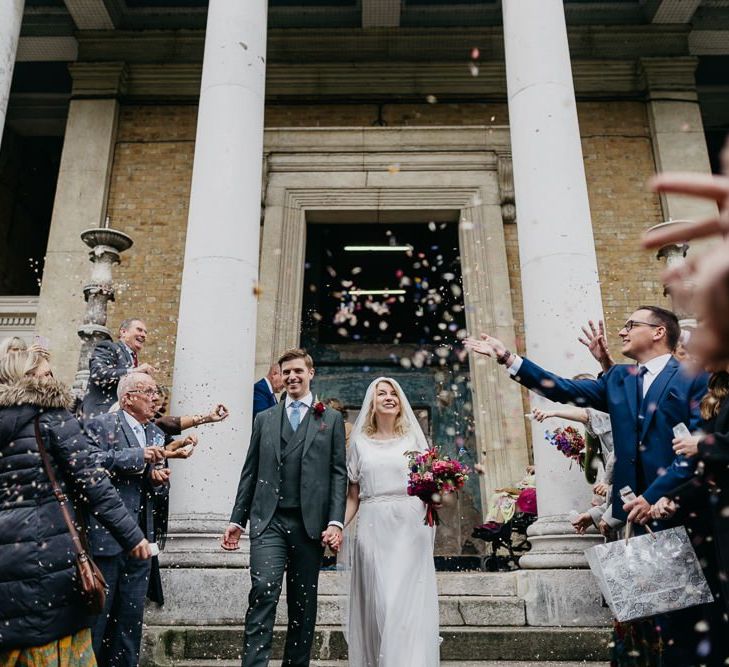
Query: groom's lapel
point(314, 424)
point(278, 415)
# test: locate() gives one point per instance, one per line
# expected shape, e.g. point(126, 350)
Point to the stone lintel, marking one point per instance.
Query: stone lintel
point(331, 81)
point(424, 45)
point(98, 80)
point(669, 74)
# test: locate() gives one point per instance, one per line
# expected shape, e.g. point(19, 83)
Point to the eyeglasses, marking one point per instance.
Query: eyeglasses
point(146, 392)
point(633, 323)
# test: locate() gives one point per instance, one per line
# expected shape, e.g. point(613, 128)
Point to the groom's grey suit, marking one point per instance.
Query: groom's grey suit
point(293, 484)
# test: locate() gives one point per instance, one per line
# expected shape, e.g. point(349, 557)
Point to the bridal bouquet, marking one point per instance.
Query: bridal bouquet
point(570, 442)
point(432, 476)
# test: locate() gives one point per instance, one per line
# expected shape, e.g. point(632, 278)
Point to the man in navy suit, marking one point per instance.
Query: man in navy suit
point(132, 452)
point(109, 362)
point(266, 389)
point(645, 401)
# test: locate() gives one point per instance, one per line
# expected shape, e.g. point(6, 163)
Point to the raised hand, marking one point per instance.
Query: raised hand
point(486, 345)
point(218, 413)
point(596, 341)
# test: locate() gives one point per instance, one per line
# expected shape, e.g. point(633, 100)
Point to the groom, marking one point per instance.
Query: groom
point(293, 491)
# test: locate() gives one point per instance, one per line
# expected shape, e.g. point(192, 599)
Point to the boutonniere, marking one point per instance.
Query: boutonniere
point(318, 409)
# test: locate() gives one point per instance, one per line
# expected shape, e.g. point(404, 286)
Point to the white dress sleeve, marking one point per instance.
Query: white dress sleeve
point(353, 462)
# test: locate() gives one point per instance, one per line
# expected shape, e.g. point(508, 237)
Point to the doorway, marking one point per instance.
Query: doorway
point(386, 298)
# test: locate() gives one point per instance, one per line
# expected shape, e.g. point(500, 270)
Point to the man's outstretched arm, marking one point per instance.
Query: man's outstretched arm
point(582, 392)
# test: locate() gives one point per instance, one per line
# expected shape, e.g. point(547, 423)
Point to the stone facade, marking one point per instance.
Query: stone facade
point(152, 169)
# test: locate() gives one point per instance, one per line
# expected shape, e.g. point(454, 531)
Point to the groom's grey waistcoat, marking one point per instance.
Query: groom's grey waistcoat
point(292, 447)
point(307, 469)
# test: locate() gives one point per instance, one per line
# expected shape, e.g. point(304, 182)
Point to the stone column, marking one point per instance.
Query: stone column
point(11, 17)
point(81, 197)
point(558, 269)
point(560, 289)
point(677, 131)
point(216, 334)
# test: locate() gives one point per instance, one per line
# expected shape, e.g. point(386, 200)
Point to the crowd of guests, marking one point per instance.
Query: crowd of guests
point(678, 476)
point(109, 452)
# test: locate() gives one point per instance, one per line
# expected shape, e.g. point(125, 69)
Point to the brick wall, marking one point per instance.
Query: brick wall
point(153, 167)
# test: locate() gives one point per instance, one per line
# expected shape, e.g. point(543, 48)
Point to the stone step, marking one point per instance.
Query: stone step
point(210, 597)
point(168, 645)
point(447, 663)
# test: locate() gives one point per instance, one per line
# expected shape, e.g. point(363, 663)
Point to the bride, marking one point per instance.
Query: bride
point(393, 606)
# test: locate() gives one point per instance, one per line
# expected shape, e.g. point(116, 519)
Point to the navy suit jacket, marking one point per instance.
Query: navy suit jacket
point(108, 363)
point(673, 397)
point(263, 398)
point(123, 458)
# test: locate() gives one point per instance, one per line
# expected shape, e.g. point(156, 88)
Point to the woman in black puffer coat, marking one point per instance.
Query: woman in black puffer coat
point(42, 620)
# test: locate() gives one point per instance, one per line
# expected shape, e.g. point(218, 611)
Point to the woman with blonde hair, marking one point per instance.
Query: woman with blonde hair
point(42, 618)
point(392, 618)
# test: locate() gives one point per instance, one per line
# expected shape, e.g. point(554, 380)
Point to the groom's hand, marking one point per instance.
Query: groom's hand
point(231, 538)
point(332, 537)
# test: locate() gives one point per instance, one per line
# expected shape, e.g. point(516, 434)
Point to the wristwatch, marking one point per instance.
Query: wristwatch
point(503, 357)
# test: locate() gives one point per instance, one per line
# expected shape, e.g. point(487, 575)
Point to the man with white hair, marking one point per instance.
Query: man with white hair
point(133, 454)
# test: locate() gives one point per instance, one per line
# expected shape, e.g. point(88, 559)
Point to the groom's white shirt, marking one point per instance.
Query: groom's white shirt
point(307, 401)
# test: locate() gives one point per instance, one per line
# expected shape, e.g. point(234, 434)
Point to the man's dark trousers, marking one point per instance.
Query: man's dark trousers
point(127, 579)
point(284, 545)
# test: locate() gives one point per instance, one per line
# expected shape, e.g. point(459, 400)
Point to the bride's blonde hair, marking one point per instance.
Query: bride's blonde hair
point(401, 424)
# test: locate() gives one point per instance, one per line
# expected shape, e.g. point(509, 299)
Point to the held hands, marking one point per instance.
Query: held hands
point(154, 454)
point(639, 511)
point(686, 446)
point(141, 551)
point(332, 537)
point(231, 538)
point(596, 341)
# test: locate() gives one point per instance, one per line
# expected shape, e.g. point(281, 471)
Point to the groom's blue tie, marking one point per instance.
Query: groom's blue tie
point(295, 417)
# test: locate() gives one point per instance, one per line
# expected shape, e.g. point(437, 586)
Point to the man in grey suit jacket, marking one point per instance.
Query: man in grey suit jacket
point(109, 362)
point(131, 446)
point(292, 491)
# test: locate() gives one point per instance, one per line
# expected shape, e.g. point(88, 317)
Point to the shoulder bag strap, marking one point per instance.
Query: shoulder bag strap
point(58, 492)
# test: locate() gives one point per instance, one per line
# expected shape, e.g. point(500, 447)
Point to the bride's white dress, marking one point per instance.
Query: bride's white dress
point(393, 606)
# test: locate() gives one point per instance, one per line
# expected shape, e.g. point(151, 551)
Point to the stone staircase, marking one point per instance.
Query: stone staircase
point(483, 621)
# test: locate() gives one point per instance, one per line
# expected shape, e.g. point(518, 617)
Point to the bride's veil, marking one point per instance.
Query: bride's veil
point(412, 424)
point(346, 553)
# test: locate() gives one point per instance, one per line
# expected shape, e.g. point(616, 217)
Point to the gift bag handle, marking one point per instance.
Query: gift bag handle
point(629, 526)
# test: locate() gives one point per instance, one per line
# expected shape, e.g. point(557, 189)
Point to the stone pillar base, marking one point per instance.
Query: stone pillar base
point(555, 545)
point(195, 543)
point(562, 598)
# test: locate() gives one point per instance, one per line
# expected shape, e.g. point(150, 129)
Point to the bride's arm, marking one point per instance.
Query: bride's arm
point(352, 503)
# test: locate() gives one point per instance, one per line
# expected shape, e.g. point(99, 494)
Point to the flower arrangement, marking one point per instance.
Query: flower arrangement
point(570, 442)
point(431, 477)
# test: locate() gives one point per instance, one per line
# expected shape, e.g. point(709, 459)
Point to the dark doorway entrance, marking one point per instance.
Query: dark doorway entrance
point(387, 299)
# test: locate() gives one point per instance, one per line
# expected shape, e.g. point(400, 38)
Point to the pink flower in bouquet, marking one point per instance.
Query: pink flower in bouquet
point(431, 476)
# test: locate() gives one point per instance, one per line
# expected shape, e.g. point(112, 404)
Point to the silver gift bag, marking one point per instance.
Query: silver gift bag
point(650, 574)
